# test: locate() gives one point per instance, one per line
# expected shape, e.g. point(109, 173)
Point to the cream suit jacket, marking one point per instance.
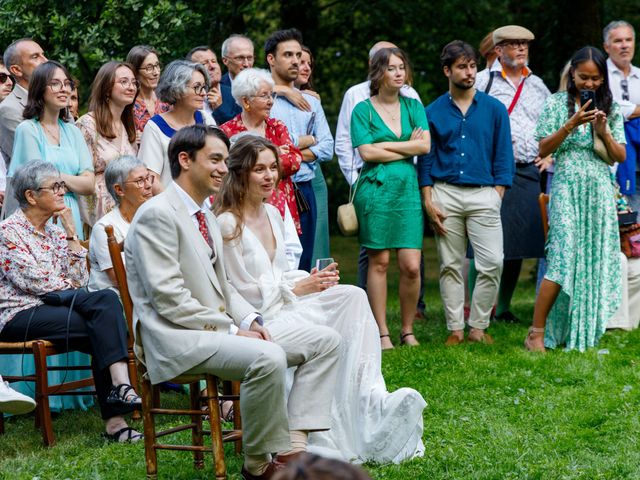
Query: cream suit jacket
point(183, 303)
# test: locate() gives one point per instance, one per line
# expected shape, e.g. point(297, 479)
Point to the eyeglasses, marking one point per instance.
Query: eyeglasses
point(242, 59)
point(55, 188)
point(140, 182)
point(148, 69)
point(515, 43)
point(200, 89)
point(127, 82)
point(624, 85)
point(57, 86)
point(266, 96)
point(6, 76)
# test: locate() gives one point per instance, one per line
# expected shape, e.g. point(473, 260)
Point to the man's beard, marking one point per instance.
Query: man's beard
point(512, 63)
point(464, 86)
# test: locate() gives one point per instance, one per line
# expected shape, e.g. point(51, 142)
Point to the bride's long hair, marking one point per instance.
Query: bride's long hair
point(243, 155)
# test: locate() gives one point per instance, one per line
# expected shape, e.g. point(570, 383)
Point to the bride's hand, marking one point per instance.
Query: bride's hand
point(318, 281)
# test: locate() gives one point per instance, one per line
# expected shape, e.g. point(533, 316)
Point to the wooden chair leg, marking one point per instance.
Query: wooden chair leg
point(196, 419)
point(42, 394)
point(237, 418)
point(133, 377)
point(216, 428)
point(149, 429)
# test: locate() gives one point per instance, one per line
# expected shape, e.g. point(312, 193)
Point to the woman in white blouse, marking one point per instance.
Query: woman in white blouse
point(369, 423)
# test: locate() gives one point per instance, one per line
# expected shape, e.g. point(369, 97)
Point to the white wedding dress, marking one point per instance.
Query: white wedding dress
point(368, 423)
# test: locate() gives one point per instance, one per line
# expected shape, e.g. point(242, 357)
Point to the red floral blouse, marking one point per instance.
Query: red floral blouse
point(141, 115)
point(276, 132)
point(34, 263)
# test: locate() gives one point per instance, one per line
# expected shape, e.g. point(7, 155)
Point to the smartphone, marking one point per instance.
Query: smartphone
point(585, 96)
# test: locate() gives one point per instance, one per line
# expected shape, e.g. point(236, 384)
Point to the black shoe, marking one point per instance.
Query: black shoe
point(507, 317)
point(119, 396)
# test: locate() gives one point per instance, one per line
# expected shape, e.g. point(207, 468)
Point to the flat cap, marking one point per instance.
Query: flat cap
point(511, 32)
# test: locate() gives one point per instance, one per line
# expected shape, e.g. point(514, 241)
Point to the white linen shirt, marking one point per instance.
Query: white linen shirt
point(615, 77)
point(524, 117)
point(348, 157)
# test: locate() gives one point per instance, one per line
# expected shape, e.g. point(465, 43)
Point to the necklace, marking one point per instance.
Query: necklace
point(394, 116)
point(54, 136)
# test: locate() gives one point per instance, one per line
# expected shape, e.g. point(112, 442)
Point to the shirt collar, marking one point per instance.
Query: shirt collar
point(22, 219)
point(497, 67)
point(190, 203)
point(635, 71)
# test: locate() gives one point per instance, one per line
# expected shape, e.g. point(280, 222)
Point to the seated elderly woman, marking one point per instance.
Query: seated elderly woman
point(129, 183)
point(252, 89)
point(44, 268)
point(184, 85)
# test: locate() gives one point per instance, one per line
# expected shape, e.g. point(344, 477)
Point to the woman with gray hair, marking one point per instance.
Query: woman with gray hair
point(41, 294)
point(184, 85)
point(129, 183)
point(252, 89)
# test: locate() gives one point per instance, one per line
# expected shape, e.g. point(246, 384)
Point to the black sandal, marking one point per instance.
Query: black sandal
point(119, 396)
point(132, 436)
point(405, 335)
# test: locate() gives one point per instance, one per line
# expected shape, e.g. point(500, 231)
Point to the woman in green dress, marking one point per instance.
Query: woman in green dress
point(389, 130)
point(581, 289)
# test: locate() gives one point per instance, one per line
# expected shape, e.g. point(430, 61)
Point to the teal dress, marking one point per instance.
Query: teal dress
point(583, 245)
point(72, 157)
point(387, 199)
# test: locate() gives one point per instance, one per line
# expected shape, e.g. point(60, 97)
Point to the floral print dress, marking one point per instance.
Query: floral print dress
point(583, 244)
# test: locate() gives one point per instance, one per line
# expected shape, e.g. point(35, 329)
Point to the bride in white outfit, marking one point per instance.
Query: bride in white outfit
point(368, 422)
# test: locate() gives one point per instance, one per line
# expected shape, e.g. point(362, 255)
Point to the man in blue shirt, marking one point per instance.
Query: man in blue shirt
point(309, 130)
point(463, 180)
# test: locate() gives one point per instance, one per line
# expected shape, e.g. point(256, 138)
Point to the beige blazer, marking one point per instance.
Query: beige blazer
point(11, 110)
point(183, 303)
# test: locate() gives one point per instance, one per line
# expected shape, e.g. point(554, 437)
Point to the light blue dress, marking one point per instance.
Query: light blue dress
point(71, 157)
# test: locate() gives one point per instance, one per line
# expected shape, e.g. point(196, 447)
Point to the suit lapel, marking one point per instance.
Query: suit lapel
point(197, 241)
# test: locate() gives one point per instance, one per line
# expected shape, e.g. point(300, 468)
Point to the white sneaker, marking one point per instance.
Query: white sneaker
point(14, 402)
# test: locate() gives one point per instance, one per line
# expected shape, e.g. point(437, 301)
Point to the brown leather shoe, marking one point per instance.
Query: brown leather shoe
point(485, 338)
point(266, 475)
point(453, 340)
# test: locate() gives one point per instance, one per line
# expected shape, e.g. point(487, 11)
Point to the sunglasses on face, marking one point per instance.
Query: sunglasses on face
point(5, 76)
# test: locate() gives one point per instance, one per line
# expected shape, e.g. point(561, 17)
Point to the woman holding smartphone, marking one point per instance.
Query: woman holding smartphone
point(581, 289)
point(368, 423)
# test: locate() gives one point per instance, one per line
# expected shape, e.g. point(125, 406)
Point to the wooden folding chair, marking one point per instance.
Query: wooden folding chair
point(543, 202)
point(151, 398)
point(41, 350)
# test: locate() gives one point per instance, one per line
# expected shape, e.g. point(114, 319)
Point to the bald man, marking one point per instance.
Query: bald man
point(350, 161)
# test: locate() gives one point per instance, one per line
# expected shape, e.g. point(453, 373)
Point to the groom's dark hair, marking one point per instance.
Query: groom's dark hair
point(189, 140)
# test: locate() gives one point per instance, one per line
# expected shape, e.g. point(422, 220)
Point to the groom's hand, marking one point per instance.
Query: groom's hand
point(261, 330)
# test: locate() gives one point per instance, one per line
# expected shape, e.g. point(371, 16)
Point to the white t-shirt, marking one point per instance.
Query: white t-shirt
point(99, 257)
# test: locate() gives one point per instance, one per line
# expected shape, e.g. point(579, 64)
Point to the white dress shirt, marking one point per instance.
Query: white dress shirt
point(633, 85)
point(348, 157)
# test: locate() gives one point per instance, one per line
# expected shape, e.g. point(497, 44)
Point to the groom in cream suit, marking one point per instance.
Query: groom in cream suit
point(189, 319)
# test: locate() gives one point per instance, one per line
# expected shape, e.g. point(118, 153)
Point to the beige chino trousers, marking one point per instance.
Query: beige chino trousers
point(473, 213)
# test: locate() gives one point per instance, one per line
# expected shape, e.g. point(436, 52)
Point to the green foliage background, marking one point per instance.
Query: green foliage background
point(85, 34)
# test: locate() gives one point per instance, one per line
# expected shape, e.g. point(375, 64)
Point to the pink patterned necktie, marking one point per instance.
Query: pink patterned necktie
point(202, 226)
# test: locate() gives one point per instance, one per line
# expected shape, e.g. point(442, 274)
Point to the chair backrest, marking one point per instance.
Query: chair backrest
point(115, 252)
point(543, 202)
point(85, 244)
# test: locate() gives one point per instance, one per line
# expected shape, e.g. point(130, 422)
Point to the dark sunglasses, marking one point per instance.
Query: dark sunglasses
point(5, 76)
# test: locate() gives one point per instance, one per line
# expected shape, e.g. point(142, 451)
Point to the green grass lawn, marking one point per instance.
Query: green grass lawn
point(494, 412)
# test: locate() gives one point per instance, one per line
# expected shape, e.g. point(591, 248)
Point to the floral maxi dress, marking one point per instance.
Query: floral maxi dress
point(583, 245)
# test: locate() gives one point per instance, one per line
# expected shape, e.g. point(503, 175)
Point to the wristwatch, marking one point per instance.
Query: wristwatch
point(72, 238)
